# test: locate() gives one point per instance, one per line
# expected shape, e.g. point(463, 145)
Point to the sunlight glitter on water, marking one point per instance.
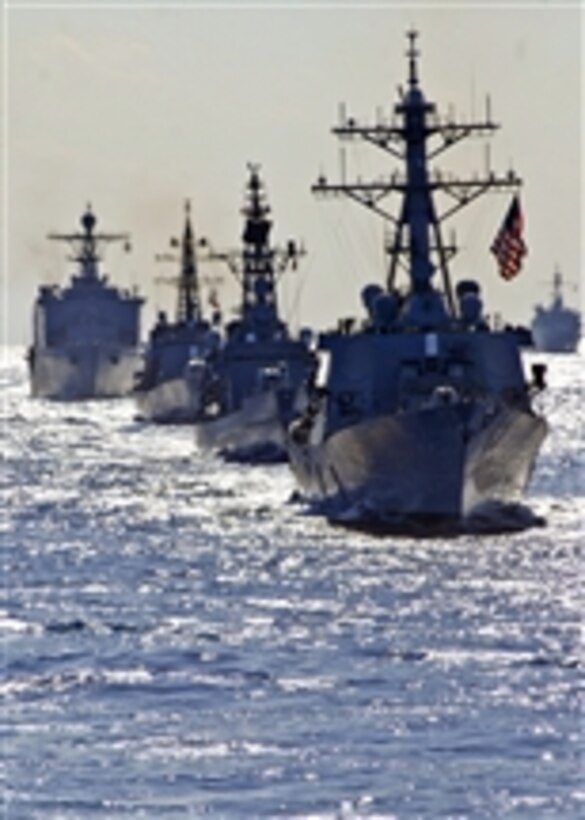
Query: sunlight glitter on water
point(180, 640)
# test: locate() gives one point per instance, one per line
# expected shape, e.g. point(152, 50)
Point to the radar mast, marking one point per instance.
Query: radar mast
point(415, 136)
point(258, 265)
point(86, 245)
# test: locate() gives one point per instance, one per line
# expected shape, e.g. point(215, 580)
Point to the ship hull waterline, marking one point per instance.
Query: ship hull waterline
point(169, 402)
point(254, 433)
point(555, 336)
point(419, 467)
point(84, 372)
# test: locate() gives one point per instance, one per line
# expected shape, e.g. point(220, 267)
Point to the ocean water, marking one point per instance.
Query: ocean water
point(181, 641)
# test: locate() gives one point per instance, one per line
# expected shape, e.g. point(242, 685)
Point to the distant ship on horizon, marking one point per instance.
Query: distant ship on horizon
point(556, 328)
point(86, 335)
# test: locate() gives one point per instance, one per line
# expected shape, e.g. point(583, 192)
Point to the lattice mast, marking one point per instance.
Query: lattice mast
point(258, 265)
point(416, 136)
point(189, 299)
point(87, 244)
point(187, 282)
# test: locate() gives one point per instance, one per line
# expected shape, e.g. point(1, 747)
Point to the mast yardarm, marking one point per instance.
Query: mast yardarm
point(187, 282)
point(86, 245)
point(415, 136)
point(258, 265)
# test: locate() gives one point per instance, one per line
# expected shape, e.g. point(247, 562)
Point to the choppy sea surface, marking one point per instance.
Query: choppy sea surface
point(179, 640)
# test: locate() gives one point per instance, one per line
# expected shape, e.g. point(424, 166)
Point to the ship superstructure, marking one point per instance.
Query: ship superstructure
point(556, 328)
point(258, 374)
point(86, 335)
point(422, 413)
point(164, 389)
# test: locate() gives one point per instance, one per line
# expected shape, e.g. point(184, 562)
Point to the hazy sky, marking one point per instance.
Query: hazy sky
point(135, 107)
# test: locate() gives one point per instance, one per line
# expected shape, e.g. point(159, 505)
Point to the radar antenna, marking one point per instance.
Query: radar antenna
point(87, 244)
point(258, 265)
point(415, 136)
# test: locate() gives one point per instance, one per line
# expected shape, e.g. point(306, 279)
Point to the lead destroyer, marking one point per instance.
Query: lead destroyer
point(423, 413)
point(86, 335)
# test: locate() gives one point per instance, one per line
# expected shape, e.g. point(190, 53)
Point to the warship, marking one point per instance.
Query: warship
point(85, 335)
point(163, 389)
point(422, 414)
point(556, 328)
point(254, 383)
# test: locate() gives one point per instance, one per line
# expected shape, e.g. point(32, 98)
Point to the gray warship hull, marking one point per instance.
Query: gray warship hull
point(420, 465)
point(422, 413)
point(169, 402)
point(255, 432)
point(83, 371)
point(86, 335)
point(556, 332)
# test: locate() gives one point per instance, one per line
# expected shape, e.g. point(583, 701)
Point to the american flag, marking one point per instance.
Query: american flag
point(509, 247)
